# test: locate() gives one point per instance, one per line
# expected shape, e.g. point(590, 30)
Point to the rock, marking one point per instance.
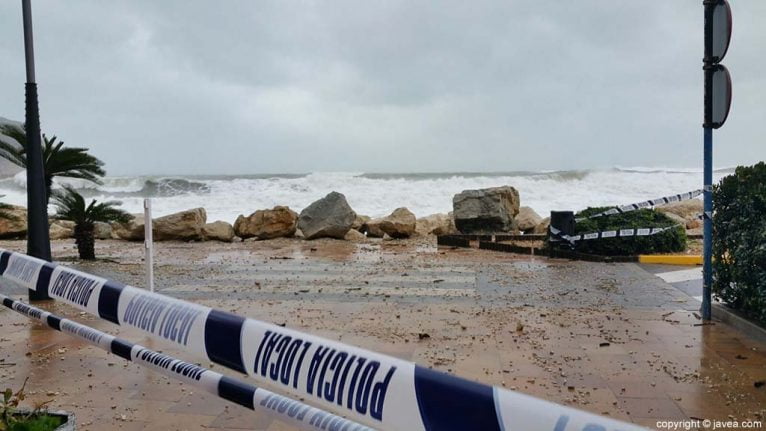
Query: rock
point(328, 217)
point(372, 229)
point(355, 236)
point(688, 210)
point(183, 226)
point(266, 224)
point(218, 231)
point(359, 222)
point(676, 218)
point(133, 230)
point(61, 229)
point(399, 224)
point(486, 210)
point(542, 227)
point(16, 225)
point(102, 230)
point(527, 219)
point(694, 224)
point(435, 224)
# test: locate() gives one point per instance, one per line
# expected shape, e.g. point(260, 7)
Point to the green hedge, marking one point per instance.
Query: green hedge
point(739, 240)
point(672, 240)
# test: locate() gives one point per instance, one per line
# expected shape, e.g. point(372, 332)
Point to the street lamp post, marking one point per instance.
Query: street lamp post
point(717, 102)
point(38, 239)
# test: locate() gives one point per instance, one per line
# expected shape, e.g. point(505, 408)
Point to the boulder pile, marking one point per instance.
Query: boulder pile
point(483, 211)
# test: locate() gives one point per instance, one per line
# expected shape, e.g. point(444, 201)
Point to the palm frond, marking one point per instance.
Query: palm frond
point(71, 162)
point(58, 160)
point(15, 132)
point(70, 205)
point(14, 151)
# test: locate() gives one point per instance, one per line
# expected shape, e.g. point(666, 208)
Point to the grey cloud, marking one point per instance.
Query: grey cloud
point(246, 87)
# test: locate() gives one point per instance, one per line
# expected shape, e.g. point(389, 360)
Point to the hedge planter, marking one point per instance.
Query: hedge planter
point(669, 241)
point(739, 241)
point(67, 420)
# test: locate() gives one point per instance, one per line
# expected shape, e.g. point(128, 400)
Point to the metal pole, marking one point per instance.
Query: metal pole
point(707, 175)
point(707, 231)
point(148, 244)
point(38, 240)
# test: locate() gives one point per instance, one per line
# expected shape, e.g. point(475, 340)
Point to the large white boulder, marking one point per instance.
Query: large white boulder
point(486, 210)
point(15, 224)
point(61, 229)
point(182, 226)
point(218, 231)
point(279, 221)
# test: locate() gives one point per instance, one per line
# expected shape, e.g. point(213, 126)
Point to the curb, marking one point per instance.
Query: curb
point(725, 315)
point(671, 259)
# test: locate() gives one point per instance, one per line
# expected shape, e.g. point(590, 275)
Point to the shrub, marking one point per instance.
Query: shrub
point(739, 240)
point(12, 419)
point(672, 240)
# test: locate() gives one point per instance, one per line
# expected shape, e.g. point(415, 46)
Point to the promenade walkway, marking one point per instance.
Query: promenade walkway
point(613, 339)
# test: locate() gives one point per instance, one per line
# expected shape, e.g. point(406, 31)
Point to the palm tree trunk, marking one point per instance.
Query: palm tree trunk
point(85, 240)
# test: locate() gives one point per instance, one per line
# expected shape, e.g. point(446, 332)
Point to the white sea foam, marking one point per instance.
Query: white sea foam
point(378, 194)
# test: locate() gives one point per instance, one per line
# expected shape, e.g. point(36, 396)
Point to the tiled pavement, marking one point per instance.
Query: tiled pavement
point(660, 361)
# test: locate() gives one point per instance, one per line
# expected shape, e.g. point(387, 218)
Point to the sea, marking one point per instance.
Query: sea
point(224, 197)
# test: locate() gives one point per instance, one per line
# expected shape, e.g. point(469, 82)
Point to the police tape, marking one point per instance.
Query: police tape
point(620, 233)
point(370, 388)
point(646, 204)
point(297, 413)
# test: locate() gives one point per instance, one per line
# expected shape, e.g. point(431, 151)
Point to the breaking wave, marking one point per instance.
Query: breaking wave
point(377, 194)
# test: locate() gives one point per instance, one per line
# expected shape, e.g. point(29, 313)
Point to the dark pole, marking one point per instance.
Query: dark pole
point(38, 240)
point(707, 176)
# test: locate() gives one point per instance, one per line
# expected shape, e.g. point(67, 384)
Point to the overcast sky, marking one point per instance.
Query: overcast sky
point(191, 87)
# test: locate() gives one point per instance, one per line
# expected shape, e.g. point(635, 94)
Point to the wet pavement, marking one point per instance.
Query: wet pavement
point(613, 339)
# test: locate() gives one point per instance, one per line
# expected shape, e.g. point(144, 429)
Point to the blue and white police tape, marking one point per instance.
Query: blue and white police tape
point(370, 388)
point(646, 204)
point(303, 416)
point(621, 233)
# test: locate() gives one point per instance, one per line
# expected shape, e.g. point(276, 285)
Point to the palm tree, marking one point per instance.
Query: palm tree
point(70, 205)
point(58, 161)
